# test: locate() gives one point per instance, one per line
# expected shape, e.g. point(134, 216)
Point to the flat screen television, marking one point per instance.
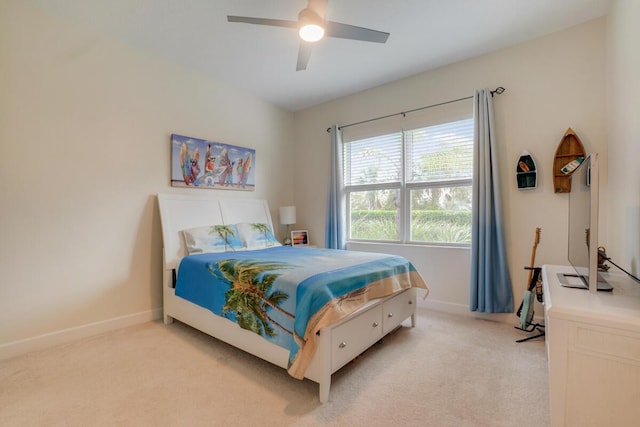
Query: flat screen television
point(583, 228)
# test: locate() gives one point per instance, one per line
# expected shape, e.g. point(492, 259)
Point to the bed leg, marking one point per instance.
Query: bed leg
point(324, 351)
point(324, 389)
point(168, 319)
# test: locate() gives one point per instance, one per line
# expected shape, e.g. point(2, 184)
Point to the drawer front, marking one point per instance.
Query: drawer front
point(353, 337)
point(607, 343)
point(396, 309)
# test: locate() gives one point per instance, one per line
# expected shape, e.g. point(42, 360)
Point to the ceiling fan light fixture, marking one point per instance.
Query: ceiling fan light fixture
point(311, 26)
point(311, 33)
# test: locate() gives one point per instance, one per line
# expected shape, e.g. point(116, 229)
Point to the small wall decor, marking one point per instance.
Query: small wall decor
point(569, 150)
point(199, 163)
point(299, 237)
point(526, 172)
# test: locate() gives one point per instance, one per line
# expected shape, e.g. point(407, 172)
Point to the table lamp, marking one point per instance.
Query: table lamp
point(287, 217)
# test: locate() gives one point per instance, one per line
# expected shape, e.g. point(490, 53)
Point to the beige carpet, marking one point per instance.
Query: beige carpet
point(448, 371)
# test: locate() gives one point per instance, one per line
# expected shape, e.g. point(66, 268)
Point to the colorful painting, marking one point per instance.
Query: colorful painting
point(199, 163)
point(299, 237)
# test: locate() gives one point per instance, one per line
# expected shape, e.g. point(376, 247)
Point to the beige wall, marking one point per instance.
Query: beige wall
point(623, 90)
point(84, 146)
point(552, 83)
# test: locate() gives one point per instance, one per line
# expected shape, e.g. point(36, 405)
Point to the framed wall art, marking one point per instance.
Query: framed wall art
point(199, 163)
point(299, 237)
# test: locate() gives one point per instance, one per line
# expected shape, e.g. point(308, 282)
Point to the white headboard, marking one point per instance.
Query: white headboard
point(181, 211)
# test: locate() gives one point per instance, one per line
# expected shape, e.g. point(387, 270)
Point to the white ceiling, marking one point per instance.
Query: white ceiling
point(261, 60)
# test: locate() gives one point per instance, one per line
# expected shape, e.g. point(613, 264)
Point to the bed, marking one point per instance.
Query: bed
point(317, 309)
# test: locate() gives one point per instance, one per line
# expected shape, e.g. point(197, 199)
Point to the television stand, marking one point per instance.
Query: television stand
point(572, 280)
point(593, 350)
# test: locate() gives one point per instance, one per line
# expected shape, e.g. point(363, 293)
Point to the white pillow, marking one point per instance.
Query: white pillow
point(257, 235)
point(212, 238)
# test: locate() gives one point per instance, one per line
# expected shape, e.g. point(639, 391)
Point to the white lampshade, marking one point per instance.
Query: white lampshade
point(287, 215)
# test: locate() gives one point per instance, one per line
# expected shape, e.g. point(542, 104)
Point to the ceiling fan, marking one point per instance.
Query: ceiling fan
point(312, 27)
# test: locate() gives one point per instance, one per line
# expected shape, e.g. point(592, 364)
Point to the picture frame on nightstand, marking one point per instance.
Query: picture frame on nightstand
point(299, 238)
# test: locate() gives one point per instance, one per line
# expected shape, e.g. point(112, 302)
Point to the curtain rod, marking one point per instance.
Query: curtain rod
point(499, 90)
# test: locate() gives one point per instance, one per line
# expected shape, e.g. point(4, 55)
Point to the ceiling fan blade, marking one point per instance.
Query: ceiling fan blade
point(304, 53)
point(346, 31)
point(263, 21)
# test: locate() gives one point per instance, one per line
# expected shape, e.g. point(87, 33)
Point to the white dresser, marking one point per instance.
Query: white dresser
point(593, 349)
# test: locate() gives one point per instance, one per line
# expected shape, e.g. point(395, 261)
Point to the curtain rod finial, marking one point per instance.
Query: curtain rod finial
point(499, 90)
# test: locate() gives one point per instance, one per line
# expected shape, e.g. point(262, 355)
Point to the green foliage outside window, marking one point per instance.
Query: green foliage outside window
point(426, 226)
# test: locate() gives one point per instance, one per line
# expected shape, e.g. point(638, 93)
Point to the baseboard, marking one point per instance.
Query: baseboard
point(20, 347)
point(463, 310)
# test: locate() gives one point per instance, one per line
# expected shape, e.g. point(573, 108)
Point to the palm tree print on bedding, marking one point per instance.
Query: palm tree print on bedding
point(225, 231)
point(266, 232)
point(250, 296)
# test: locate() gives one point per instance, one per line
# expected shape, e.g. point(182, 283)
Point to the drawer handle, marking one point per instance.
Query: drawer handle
point(410, 302)
point(342, 344)
point(375, 324)
point(390, 315)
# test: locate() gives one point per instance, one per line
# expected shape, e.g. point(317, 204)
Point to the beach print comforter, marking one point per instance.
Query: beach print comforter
point(287, 294)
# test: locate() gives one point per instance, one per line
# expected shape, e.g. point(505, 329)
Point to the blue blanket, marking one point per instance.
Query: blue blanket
point(282, 293)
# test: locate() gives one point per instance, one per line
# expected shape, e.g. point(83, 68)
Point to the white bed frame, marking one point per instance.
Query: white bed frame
point(338, 343)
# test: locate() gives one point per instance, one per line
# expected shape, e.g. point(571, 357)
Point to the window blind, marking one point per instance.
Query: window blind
point(440, 152)
point(374, 160)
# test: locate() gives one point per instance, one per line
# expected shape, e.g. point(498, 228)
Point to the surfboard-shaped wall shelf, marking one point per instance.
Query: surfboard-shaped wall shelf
point(526, 172)
point(569, 154)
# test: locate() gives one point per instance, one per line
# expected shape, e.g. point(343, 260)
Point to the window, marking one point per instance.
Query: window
point(411, 185)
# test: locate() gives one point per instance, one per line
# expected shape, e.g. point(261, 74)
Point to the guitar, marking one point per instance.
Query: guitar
point(525, 312)
point(536, 242)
